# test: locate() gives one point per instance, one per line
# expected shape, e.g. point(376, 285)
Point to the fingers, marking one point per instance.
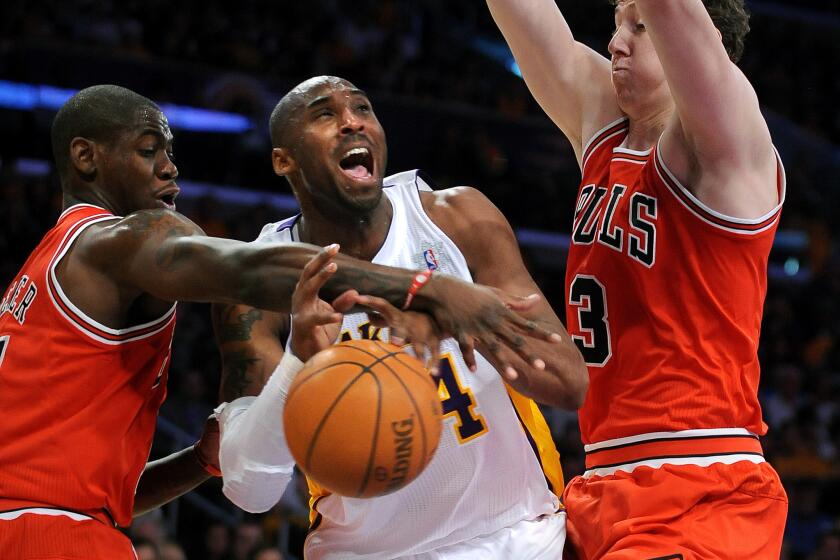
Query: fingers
point(520, 304)
point(532, 328)
point(509, 365)
point(388, 312)
point(519, 345)
point(324, 318)
point(346, 301)
point(318, 270)
point(467, 346)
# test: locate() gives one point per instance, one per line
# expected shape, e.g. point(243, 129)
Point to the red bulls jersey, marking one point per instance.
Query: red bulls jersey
point(664, 299)
point(79, 399)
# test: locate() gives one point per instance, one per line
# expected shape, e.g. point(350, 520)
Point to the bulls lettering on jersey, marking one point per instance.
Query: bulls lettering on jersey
point(595, 221)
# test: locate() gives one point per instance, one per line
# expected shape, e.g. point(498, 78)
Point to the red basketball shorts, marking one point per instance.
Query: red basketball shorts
point(678, 512)
point(38, 536)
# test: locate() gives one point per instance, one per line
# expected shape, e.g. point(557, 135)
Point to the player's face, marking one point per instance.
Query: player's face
point(341, 150)
point(637, 74)
point(136, 169)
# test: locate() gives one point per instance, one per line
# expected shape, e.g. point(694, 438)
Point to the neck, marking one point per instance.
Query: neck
point(69, 199)
point(646, 128)
point(360, 235)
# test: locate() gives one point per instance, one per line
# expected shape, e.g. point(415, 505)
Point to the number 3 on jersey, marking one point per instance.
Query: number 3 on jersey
point(4, 341)
point(587, 295)
point(458, 401)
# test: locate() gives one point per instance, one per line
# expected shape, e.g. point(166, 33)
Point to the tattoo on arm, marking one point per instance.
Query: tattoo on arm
point(240, 328)
point(170, 257)
point(236, 378)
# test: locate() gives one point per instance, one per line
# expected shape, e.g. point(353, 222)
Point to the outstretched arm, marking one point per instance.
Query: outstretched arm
point(166, 255)
point(719, 143)
point(490, 247)
point(570, 81)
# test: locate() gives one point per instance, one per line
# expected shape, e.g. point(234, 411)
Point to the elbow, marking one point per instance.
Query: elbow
point(576, 384)
point(249, 501)
point(581, 387)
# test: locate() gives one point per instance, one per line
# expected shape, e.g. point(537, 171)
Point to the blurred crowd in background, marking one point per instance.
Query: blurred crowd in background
point(441, 84)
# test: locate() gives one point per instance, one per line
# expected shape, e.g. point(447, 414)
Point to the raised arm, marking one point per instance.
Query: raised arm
point(718, 144)
point(487, 241)
point(570, 81)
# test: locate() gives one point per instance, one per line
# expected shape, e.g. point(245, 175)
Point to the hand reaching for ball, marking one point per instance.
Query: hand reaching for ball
point(316, 323)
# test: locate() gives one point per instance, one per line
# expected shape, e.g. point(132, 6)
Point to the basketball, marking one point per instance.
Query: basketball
point(363, 418)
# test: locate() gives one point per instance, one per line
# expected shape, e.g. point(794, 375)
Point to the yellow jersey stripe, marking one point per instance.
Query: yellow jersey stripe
point(539, 436)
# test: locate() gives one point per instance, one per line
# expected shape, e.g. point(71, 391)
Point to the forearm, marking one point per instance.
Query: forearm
point(272, 272)
point(165, 479)
point(524, 22)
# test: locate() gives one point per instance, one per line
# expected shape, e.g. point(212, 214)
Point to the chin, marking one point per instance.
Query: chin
point(363, 203)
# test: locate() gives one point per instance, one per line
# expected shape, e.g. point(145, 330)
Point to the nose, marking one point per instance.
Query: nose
point(167, 170)
point(351, 123)
point(618, 45)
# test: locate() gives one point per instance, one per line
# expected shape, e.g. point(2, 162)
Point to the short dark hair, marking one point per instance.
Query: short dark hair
point(100, 113)
point(731, 19)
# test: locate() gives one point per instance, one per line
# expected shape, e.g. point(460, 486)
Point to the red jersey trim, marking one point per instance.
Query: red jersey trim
point(735, 225)
point(613, 129)
point(76, 317)
point(640, 157)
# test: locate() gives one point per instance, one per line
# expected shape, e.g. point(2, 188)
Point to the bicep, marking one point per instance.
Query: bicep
point(489, 245)
point(165, 255)
point(718, 110)
point(250, 347)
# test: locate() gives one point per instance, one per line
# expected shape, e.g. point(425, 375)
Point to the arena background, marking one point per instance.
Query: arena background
point(445, 88)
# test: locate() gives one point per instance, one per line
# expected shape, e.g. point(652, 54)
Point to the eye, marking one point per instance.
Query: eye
point(364, 107)
point(147, 152)
point(323, 113)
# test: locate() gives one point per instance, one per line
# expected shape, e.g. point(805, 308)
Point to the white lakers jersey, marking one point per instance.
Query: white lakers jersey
point(496, 463)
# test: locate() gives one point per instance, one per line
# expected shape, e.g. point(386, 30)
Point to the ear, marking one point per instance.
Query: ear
point(282, 161)
point(81, 155)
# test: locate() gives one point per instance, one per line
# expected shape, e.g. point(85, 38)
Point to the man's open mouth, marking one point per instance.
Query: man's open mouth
point(357, 163)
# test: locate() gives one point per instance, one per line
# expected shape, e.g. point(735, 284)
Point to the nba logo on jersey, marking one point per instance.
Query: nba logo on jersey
point(430, 254)
point(431, 259)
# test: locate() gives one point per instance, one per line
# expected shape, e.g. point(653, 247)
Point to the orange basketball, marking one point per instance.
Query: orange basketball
point(363, 418)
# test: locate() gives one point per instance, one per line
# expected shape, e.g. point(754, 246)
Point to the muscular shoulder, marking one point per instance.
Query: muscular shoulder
point(455, 206)
point(109, 242)
point(466, 215)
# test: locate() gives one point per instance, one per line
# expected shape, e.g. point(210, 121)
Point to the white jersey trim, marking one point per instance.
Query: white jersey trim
point(620, 150)
point(53, 281)
point(781, 188)
point(625, 160)
point(80, 205)
point(682, 434)
point(657, 463)
point(10, 515)
point(589, 149)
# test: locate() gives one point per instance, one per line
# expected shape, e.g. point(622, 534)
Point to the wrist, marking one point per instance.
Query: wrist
point(208, 466)
point(420, 282)
point(432, 296)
